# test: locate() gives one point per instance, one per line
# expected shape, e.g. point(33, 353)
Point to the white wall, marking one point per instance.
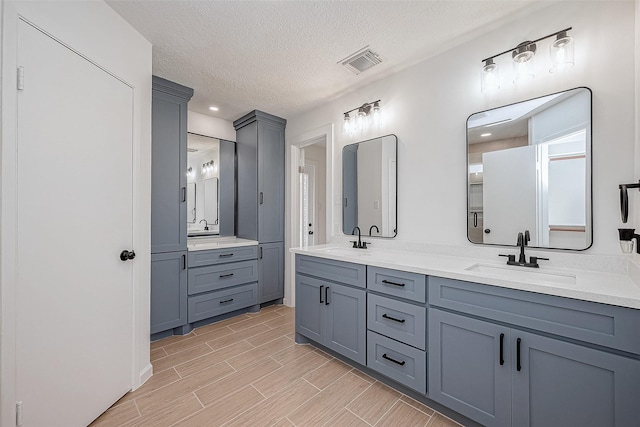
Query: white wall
point(96, 31)
point(427, 105)
point(210, 126)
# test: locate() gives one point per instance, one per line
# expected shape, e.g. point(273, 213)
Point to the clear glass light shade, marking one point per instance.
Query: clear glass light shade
point(561, 52)
point(523, 70)
point(523, 63)
point(490, 77)
point(347, 126)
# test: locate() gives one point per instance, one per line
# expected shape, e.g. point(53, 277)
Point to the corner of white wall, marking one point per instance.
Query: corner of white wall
point(636, 154)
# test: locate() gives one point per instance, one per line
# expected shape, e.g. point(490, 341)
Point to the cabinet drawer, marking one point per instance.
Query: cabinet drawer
point(398, 320)
point(400, 362)
point(221, 302)
point(412, 286)
point(337, 271)
point(203, 279)
point(219, 256)
point(601, 324)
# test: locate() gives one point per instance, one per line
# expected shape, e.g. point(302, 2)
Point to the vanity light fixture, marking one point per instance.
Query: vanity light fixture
point(191, 173)
point(212, 108)
point(367, 115)
point(523, 56)
point(207, 167)
point(485, 134)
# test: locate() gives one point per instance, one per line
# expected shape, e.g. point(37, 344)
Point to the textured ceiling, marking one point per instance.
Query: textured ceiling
point(280, 56)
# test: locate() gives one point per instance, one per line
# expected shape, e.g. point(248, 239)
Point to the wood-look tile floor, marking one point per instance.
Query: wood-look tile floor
point(248, 371)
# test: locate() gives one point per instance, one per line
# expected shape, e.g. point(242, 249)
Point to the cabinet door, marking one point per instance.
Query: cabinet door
point(168, 173)
point(271, 272)
point(564, 384)
point(270, 182)
point(247, 193)
point(309, 307)
point(345, 311)
point(465, 370)
point(168, 291)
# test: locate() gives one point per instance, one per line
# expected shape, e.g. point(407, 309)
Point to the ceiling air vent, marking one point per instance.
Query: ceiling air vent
point(361, 61)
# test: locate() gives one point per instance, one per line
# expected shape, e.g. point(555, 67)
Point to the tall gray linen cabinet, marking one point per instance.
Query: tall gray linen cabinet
point(260, 214)
point(169, 206)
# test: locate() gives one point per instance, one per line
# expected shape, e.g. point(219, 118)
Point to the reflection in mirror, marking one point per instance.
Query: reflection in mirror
point(211, 185)
point(529, 168)
point(191, 202)
point(369, 177)
point(211, 201)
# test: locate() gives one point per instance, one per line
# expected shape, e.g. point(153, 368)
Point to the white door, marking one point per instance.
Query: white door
point(74, 325)
point(509, 195)
point(310, 203)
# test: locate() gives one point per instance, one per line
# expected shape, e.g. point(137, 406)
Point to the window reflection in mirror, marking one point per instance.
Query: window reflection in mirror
point(529, 168)
point(369, 177)
point(211, 170)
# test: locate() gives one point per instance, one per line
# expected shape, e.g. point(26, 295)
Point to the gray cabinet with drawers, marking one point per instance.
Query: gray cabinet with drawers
point(221, 281)
point(499, 356)
point(397, 324)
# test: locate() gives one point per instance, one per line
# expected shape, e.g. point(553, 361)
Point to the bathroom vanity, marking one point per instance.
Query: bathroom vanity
point(500, 345)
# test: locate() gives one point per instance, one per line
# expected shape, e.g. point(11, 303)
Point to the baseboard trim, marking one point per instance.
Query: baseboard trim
point(145, 374)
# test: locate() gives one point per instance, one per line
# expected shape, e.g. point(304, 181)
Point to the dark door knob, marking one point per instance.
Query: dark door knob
point(127, 255)
point(487, 230)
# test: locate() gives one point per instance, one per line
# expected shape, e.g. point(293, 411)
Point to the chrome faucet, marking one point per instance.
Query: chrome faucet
point(372, 227)
point(358, 244)
point(523, 240)
point(206, 224)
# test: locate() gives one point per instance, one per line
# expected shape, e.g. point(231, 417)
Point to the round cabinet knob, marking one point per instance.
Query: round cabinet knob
point(127, 255)
point(487, 230)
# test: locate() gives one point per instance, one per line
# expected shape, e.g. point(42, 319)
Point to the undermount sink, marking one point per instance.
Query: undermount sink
point(521, 274)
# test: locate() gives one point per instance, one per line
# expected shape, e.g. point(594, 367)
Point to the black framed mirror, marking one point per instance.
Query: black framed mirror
point(529, 169)
point(369, 187)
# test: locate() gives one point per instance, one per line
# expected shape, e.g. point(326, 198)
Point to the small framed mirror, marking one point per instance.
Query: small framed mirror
point(529, 169)
point(369, 187)
point(211, 183)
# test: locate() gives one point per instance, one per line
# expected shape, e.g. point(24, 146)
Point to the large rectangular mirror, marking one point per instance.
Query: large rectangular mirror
point(369, 187)
point(211, 170)
point(529, 168)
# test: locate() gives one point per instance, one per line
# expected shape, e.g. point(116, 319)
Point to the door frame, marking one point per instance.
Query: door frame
point(129, 62)
point(311, 137)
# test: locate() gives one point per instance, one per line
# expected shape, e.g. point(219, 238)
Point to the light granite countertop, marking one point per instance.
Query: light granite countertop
point(206, 243)
point(602, 287)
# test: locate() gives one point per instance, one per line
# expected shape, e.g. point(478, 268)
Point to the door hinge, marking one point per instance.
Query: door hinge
point(19, 413)
point(21, 78)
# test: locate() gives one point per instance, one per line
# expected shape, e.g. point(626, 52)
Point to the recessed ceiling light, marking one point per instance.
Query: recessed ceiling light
point(486, 134)
point(213, 108)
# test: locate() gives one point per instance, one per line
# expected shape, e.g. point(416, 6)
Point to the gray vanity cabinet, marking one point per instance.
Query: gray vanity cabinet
point(271, 271)
point(330, 313)
point(499, 375)
point(169, 166)
point(260, 215)
point(168, 291)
